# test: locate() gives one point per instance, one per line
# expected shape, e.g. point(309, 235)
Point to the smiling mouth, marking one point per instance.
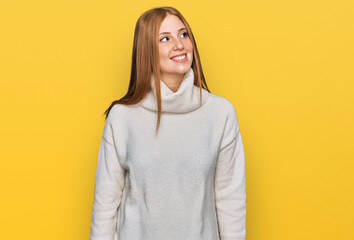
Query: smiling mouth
point(180, 58)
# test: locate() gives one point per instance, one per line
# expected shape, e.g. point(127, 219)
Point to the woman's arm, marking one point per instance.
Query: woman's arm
point(109, 184)
point(230, 182)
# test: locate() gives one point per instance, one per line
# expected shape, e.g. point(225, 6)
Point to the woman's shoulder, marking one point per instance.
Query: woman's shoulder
point(225, 111)
point(221, 103)
point(120, 112)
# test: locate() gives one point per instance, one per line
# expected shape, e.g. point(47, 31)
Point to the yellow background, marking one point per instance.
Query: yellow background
point(287, 66)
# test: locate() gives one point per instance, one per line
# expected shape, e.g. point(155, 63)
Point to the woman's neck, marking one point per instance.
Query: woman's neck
point(172, 81)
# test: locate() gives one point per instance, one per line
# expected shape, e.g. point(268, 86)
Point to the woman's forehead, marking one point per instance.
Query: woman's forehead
point(171, 23)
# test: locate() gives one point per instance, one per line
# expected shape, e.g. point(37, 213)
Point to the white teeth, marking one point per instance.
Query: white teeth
point(179, 58)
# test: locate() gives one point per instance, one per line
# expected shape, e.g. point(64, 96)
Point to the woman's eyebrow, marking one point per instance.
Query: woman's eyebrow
point(169, 32)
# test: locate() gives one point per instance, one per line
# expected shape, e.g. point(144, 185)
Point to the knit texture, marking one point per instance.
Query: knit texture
point(185, 183)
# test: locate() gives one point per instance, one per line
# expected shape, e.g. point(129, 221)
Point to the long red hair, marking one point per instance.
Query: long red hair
point(145, 59)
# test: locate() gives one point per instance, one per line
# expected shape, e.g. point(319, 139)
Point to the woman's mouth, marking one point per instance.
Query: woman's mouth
point(182, 58)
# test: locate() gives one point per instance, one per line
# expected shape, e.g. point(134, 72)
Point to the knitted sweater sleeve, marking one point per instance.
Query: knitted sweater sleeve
point(230, 182)
point(109, 184)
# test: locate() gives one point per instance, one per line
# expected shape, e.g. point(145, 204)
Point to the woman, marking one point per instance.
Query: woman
point(184, 179)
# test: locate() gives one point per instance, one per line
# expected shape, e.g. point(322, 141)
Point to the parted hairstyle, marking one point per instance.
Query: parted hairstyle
point(145, 59)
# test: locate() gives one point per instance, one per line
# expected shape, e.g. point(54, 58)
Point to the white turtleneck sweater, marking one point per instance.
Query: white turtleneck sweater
point(185, 183)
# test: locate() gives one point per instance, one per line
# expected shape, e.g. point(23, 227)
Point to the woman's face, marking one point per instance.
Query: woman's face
point(174, 40)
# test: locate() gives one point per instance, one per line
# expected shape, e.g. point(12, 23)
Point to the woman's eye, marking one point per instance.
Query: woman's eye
point(162, 38)
point(185, 33)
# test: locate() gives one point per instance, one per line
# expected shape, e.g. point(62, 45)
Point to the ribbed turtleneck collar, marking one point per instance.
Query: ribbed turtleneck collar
point(185, 99)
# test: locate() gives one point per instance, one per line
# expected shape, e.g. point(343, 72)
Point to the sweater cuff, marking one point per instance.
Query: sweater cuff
point(109, 237)
point(230, 238)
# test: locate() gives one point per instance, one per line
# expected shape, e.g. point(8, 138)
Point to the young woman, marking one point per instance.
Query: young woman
point(184, 179)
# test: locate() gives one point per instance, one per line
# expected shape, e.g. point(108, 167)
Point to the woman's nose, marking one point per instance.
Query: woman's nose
point(178, 44)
